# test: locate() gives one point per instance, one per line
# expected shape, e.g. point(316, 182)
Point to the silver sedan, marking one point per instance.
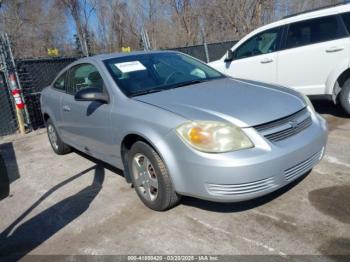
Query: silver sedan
point(178, 127)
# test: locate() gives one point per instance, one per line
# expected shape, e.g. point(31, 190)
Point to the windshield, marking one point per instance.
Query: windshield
point(154, 72)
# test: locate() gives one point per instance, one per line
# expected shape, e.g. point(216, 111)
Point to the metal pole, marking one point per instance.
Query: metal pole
point(206, 52)
point(204, 42)
point(147, 39)
point(27, 118)
point(20, 120)
point(85, 44)
point(144, 40)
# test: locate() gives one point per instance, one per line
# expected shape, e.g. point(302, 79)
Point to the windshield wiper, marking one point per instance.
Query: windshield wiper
point(192, 82)
point(154, 90)
point(148, 91)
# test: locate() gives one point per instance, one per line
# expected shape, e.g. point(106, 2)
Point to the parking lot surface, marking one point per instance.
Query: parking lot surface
point(76, 205)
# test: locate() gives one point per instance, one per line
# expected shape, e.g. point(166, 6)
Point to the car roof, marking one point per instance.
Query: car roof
point(342, 8)
point(296, 18)
point(102, 57)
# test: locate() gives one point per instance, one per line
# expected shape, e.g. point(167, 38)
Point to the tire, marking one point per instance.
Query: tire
point(150, 178)
point(58, 146)
point(344, 96)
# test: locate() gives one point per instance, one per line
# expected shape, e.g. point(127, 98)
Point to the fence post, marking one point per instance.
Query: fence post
point(15, 89)
point(206, 51)
point(20, 120)
point(204, 42)
point(27, 117)
point(19, 104)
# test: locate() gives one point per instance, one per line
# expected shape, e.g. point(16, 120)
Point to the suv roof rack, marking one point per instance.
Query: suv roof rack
point(319, 8)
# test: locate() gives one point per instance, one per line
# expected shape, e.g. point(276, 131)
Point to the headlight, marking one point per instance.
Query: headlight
point(213, 137)
point(308, 102)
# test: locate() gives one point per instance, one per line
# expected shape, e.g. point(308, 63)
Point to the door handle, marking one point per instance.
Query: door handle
point(266, 61)
point(66, 108)
point(334, 49)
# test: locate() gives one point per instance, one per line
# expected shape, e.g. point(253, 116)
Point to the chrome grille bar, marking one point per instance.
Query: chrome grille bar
point(286, 127)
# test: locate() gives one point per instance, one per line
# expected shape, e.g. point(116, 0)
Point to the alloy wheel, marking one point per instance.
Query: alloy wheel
point(146, 180)
point(52, 136)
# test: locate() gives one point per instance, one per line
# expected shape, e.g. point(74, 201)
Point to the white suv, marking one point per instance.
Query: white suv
point(309, 52)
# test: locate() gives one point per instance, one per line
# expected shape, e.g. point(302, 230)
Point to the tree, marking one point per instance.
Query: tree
point(34, 26)
point(117, 26)
point(81, 11)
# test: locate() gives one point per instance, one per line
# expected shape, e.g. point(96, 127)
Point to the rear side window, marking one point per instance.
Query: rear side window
point(60, 82)
point(346, 19)
point(314, 31)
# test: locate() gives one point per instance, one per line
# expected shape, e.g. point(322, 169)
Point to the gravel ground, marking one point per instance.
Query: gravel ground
point(70, 205)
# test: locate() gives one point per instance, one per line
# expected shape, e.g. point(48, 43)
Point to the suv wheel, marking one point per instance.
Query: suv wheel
point(57, 144)
point(344, 96)
point(150, 178)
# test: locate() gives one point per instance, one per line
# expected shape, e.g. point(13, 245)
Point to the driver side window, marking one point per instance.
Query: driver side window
point(262, 43)
point(84, 76)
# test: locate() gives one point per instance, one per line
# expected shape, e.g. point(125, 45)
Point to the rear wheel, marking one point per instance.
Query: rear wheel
point(58, 146)
point(344, 96)
point(150, 178)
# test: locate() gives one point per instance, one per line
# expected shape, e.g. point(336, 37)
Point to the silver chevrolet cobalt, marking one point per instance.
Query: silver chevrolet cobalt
point(178, 127)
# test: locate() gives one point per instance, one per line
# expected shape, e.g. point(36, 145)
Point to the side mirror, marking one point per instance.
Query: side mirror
point(91, 94)
point(229, 56)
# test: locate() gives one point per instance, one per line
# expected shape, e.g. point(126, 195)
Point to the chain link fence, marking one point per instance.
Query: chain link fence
point(7, 114)
point(8, 120)
point(35, 74)
point(215, 50)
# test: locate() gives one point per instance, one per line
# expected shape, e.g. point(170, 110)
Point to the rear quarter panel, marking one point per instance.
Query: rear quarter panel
point(339, 68)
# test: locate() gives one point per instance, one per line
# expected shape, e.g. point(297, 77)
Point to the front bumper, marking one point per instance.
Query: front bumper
point(246, 174)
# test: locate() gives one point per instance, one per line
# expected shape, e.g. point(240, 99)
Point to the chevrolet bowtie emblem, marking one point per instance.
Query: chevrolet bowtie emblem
point(293, 124)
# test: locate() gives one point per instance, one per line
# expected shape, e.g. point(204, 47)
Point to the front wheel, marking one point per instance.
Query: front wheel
point(344, 96)
point(58, 146)
point(150, 178)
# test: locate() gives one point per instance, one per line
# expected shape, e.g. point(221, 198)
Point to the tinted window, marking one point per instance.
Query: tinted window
point(84, 76)
point(60, 82)
point(313, 31)
point(262, 43)
point(154, 72)
point(346, 19)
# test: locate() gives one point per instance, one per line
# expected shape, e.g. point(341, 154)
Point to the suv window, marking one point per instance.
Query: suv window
point(60, 82)
point(262, 43)
point(313, 31)
point(346, 19)
point(84, 76)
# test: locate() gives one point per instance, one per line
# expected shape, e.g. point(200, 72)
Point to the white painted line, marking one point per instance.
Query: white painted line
point(254, 242)
point(334, 160)
point(274, 218)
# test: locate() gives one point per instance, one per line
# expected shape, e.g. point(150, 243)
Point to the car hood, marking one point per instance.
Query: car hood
point(243, 103)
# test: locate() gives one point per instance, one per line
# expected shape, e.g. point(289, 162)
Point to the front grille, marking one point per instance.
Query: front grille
point(238, 189)
point(302, 167)
point(284, 134)
point(285, 127)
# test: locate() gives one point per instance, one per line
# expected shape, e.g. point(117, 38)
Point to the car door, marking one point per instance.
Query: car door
point(256, 58)
point(312, 50)
point(86, 124)
point(53, 99)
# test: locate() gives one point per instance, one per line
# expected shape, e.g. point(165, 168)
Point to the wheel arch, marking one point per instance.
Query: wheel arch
point(343, 77)
point(46, 117)
point(337, 80)
point(126, 145)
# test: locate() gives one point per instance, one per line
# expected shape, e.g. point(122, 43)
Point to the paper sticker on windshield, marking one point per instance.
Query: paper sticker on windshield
point(132, 66)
